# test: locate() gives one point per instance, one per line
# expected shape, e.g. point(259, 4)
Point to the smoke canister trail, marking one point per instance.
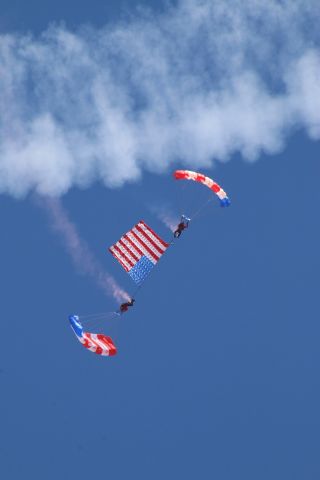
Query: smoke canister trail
point(78, 249)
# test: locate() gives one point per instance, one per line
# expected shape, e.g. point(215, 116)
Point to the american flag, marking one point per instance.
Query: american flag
point(138, 251)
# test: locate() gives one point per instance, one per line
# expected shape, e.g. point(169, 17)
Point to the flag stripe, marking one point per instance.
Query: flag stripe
point(143, 244)
point(136, 243)
point(124, 243)
point(143, 237)
point(165, 244)
point(148, 238)
point(125, 253)
point(133, 244)
point(119, 258)
point(142, 249)
point(123, 257)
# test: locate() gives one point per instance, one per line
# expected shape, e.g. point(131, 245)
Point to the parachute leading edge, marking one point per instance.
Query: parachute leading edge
point(95, 342)
point(138, 251)
point(208, 182)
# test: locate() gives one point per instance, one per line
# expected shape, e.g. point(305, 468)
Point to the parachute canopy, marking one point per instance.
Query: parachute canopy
point(138, 251)
point(95, 342)
point(199, 177)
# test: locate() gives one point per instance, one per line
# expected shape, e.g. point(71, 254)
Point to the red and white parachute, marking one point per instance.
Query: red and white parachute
point(207, 181)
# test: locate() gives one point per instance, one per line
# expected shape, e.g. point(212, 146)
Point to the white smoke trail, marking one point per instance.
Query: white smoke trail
point(165, 214)
point(77, 248)
point(197, 83)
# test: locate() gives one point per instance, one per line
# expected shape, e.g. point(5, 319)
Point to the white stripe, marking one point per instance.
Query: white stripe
point(101, 344)
point(91, 348)
point(141, 247)
point(151, 247)
point(131, 247)
point(92, 338)
point(125, 253)
point(208, 182)
point(147, 242)
point(117, 254)
point(221, 194)
point(150, 235)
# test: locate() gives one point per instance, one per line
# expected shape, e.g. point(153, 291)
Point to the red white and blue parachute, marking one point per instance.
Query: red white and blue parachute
point(207, 181)
point(95, 342)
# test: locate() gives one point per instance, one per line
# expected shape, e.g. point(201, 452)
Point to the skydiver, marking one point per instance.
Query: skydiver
point(184, 223)
point(124, 306)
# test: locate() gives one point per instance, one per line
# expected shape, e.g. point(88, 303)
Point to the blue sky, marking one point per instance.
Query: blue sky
point(217, 368)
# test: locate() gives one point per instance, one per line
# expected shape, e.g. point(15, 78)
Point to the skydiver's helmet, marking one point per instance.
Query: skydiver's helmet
point(184, 218)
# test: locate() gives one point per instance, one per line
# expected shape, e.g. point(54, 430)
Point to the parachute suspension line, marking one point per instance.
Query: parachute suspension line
point(136, 291)
point(202, 207)
point(180, 194)
point(91, 315)
point(96, 317)
point(103, 321)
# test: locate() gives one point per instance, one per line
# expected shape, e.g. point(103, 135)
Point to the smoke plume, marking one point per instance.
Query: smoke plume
point(80, 253)
point(194, 84)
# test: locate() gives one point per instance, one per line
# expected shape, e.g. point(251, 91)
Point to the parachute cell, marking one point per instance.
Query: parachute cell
point(95, 342)
point(199, 177)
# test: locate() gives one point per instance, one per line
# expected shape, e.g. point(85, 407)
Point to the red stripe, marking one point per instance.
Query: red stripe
point(179, 174)
point(133, 244)
point(200, 177)
point(119, 259)
point(216, 188)
point(146, 236)
point(108, 341)
point(128, 250)
point(94, 344)
point(123, 255)
point(153, 255)
point(165, 244)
